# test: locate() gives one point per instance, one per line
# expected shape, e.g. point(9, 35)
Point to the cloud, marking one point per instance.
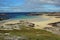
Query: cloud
point(30, 6)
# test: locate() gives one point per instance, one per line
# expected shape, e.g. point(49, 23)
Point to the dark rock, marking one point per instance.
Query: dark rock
point(34, 14)
point(3, 17)
point(54, 14)
point(32, 25)
point(56, 24)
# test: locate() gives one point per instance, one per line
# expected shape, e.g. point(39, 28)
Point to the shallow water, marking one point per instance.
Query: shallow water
point(30, 18)
point(23, 16)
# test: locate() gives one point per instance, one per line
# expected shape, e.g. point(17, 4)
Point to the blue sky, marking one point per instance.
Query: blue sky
point(29, 5)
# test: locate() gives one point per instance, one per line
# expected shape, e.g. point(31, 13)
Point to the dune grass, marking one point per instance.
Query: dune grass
point(33, 34)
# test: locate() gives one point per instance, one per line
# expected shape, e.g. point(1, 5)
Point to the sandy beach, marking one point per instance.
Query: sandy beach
point(38, 24)
point(42, 24)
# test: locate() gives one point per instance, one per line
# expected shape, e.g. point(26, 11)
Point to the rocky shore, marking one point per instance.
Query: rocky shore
point(3, 17)
point(34, 14)
point(55, 28)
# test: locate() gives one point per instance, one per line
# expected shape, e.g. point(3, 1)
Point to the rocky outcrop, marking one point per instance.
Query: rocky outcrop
point(3, 17)
point(56, 24)
point(34, 14)
point(54, 14)
point(54, 29)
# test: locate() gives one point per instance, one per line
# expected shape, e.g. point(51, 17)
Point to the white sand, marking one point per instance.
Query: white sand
point(41, 24)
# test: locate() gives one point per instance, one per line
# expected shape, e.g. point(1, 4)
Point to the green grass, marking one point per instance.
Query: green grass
point(34, 34)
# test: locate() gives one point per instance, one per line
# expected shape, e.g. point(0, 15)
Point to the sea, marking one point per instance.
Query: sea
point(23, 16)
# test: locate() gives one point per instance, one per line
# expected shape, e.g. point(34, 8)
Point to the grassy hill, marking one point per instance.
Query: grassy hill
point(33, 34)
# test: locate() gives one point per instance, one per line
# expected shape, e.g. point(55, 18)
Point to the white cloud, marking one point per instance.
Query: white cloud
point(34, 6)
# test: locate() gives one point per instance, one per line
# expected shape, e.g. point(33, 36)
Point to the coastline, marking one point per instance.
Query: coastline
point(38, 24)
point(44, 24)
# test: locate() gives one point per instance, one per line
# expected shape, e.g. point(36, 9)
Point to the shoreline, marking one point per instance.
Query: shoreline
point(38, 24)
point(44, 24)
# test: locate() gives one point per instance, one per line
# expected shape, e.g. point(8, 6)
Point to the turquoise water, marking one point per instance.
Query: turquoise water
point(30, 18)
point(20, 17)
point(24, 16)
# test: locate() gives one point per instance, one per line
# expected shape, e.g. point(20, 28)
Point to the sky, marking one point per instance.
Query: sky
point(29, 5)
